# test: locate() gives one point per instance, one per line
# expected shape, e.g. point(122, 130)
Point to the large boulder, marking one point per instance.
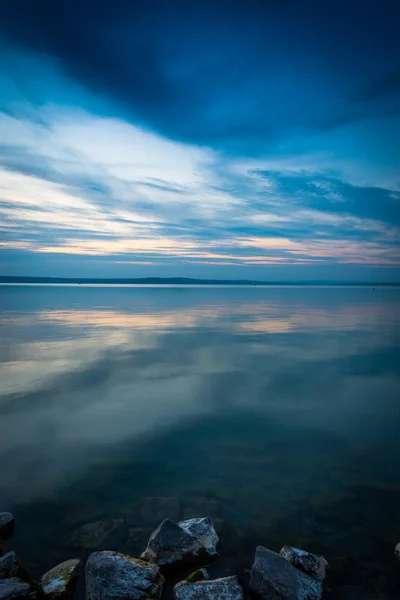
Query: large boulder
point(227, 588)
point(397, 551)
point(274, 578)
point(311, 564)
point(14, 588)
point(152, 510)
point(11, 566)
point(59, 583)
point(93, 534)
point(6, 525)
point(174, 545)
point(114, 576)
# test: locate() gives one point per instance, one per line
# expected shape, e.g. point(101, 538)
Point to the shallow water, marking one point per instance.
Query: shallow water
point(276, 409)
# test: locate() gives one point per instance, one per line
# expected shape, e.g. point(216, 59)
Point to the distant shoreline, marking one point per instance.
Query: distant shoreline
point(181, 281)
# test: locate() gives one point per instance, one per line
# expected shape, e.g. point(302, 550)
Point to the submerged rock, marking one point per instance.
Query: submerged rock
point(202, 506)
point(274, 578)
point(199, 575)
point(11, 566)
point(6, 525)
point(153, 510)
point(311, 564)
point(186, 543)
point(14, 588)
point(60, 581)
point(136, 539)
point(397, 551)
point(114, 576)
point(92, 534)
point(227, 588)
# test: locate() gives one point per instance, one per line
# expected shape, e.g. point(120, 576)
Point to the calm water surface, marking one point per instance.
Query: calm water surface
point(275, 409)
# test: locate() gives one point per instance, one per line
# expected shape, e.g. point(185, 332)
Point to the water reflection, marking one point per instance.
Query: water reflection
point(279, 404)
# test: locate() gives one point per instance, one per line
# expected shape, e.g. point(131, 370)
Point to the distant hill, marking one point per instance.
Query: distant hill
point(173, 281)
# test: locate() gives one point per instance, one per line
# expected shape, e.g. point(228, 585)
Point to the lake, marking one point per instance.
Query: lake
point(276, 410)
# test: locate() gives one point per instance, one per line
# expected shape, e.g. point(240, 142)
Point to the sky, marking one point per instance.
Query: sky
point(223, 139)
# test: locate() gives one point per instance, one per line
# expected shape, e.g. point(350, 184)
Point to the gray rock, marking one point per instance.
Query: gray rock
point(397, 551)
point(153, 510)
point(93, 534)
point(14, 589)
point(311, 564)
point(199, 575)
point(175, 545)
point(11, 566)
point(60, 581)
point(114, 576)
point(203, 529)
point(6, 525)
point(227, 588)
point(274, 578)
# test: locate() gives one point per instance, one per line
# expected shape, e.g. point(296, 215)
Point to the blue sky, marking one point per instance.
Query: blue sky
point(210, 139)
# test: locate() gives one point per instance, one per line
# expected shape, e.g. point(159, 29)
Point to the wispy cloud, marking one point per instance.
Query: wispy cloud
point(75, 183)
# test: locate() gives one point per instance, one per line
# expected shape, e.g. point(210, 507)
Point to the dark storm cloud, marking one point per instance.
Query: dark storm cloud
point(237, 75)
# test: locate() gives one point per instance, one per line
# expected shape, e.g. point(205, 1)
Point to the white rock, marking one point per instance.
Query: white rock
point(311, 564)
point(174, 545)
point(203, 529)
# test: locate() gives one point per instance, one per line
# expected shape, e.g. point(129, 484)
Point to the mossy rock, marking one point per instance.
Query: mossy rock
point(59, 583)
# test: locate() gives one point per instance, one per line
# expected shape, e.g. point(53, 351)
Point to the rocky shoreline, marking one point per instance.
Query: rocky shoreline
point(175, 557)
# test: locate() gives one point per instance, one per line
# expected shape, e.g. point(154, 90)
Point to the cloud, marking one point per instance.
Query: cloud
point(243, 78)
point(86, 180)
point(110, 188)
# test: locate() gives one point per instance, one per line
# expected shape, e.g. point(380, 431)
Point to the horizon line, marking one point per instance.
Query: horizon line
point(4, 279)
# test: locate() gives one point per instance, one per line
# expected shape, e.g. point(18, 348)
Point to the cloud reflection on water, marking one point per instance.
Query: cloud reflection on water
point(78, 382)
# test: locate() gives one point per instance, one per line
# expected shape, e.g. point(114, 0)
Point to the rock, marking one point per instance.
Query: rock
point(311, 564)
point(11, 566)
point(199, 575)
point(274, 578)
point(2, 548)
point(153, 510)
point(6, 525)
point(227, 588)
point(202, 506)
point(60, 581)
point(175, 545)
point(92, 534)
point(114, 576)
point(397, 551)
point(203, 529)
point(14, 589)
